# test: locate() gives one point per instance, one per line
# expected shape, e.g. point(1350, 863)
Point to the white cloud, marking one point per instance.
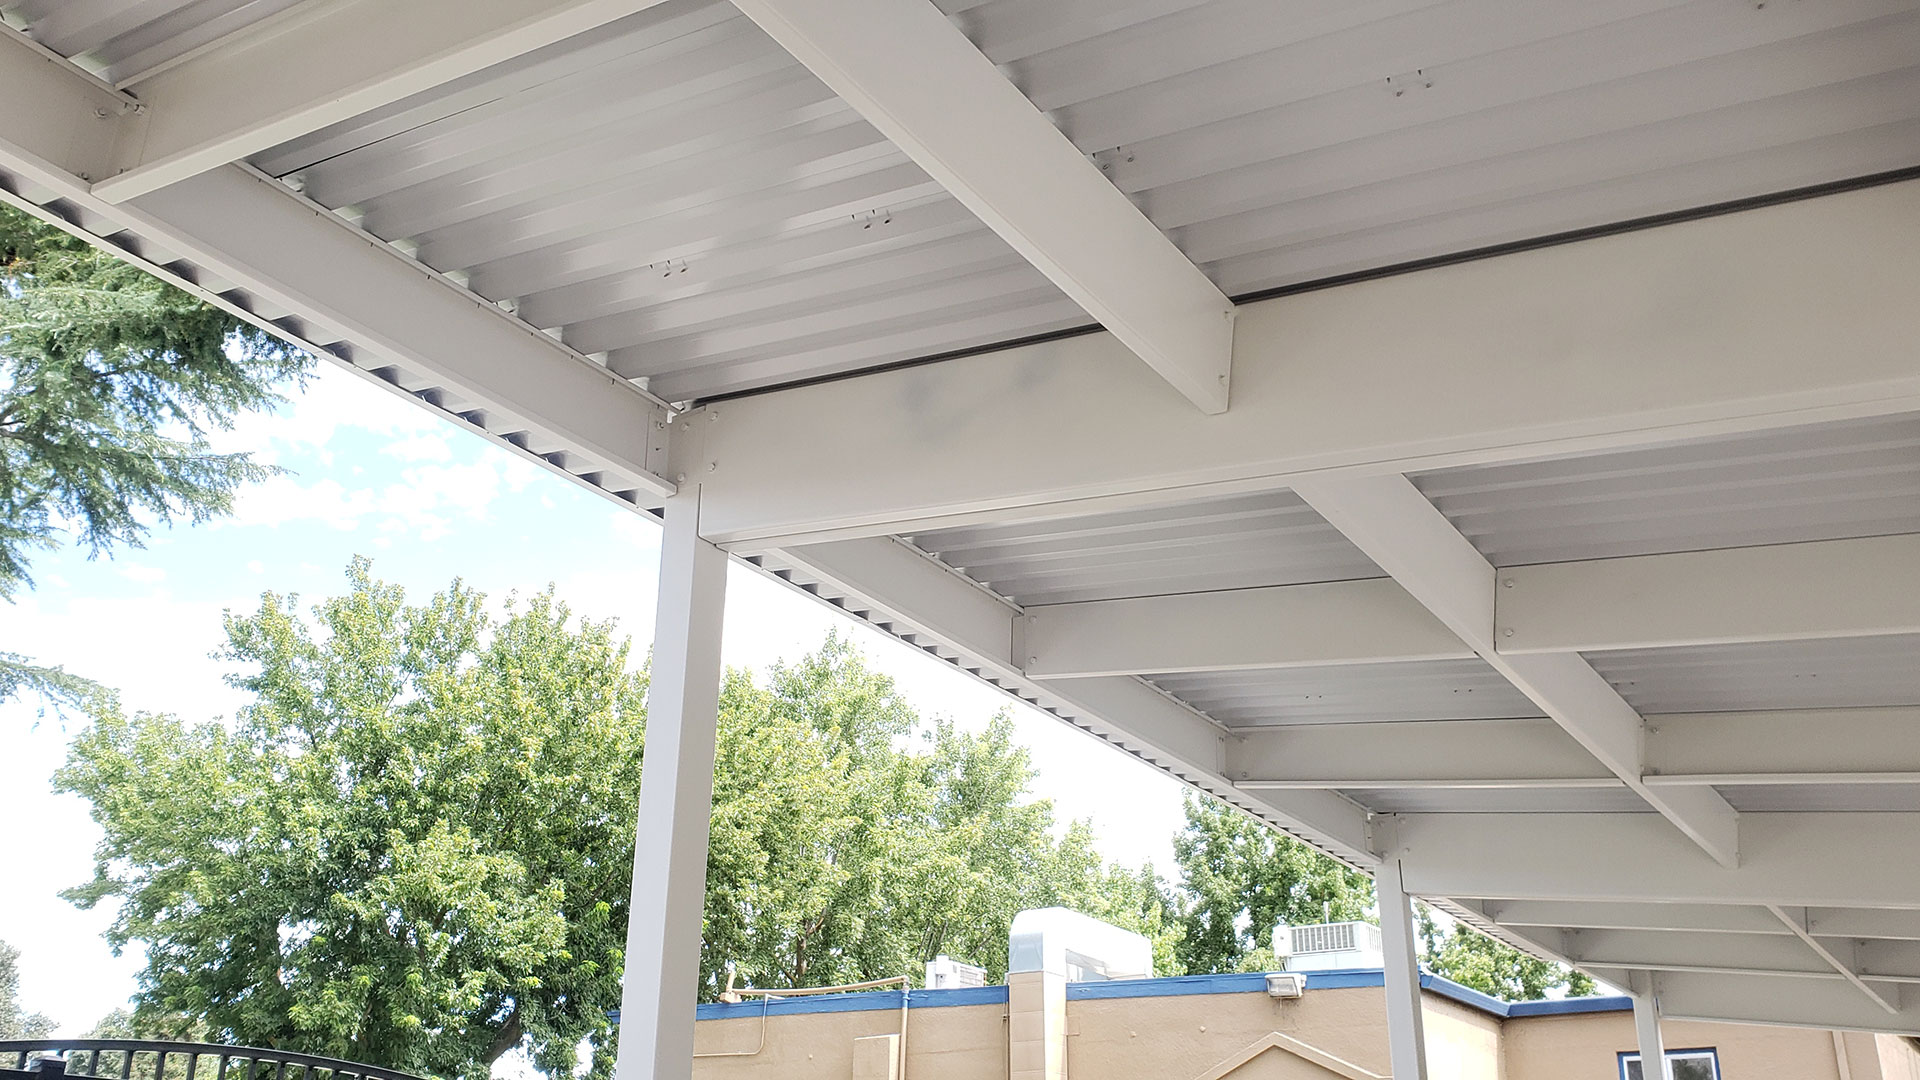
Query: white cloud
point(145, 575)
point(255, 566)
point(425, 446)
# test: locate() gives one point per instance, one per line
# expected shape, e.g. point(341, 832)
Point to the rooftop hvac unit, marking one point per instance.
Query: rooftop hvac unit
point(946, 973)
point(1329, 946)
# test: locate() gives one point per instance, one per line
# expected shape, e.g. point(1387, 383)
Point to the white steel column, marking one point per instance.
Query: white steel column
point(1646, 1024)
point(676, 802)
point(1406, 1027)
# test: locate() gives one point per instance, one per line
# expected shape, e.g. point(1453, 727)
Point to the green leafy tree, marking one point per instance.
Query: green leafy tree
point(15, 1021)
point(110, 382)
point(412, 847)
point(1473, 959)
point(1239, 879)
point(851, 840)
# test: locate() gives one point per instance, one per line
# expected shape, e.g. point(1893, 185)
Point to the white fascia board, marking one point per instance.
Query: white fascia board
point(1829, 589)
point(1345, 622)
point(250, 230)
point(1601, 915)
point(318, 64)
point(1570, 349)
point(916, 77)
point(914, 597)
point(1782, 1000)
point(352, 298)
point(1415, 754)
point(1387, 518)
point(1837, 860)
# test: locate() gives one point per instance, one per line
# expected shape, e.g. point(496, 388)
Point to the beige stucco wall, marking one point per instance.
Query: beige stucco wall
point(1585, 1047)
point(1162, 1038)
point(1182, 1037)
point(966, 1042)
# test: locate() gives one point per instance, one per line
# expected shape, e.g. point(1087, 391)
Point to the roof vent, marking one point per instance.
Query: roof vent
point(1329, 946)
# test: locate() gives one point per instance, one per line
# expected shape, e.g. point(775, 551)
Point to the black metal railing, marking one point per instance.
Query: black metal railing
point(147, 1059)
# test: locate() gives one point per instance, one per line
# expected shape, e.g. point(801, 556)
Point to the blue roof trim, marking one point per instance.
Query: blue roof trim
point(858, 1002)
point(1569, 1006)
point(1179, 986)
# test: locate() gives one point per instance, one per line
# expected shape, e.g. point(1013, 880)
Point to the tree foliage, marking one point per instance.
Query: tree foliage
point(15, 1021)
point(413, 846)
point(110, 382)
point(1473, 959)
point(1239, 879)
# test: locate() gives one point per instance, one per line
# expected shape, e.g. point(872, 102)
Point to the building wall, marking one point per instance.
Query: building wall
point(1182, 1034)
point(1586, 1046)
point(966, 1042)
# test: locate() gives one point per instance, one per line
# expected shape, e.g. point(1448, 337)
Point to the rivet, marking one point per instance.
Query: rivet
point(1508, 632)
point(1508, 583)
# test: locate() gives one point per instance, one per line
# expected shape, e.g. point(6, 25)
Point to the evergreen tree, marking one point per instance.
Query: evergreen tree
point(110, 383)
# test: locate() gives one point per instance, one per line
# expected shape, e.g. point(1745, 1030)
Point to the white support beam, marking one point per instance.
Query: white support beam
point(1387, 518)
point(1823, 860)
point(1345, 622)
point(660, 987)
point(1740, 954)
point(917, 78)
point(1781, 1000)
point(1830, 954)
point(1859, 923)
point(1579, 915)
point(1797, 747)
point(1416, 754)
point(1828, 746)
point(318, 64)
point(1836, 588)
point(1646, 1029)
point(1466, 364)
point(919, 599)
point(1406, 1023)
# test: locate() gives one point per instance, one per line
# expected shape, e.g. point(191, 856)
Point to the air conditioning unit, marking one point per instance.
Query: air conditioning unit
point(1329, 946)
point(946, 973)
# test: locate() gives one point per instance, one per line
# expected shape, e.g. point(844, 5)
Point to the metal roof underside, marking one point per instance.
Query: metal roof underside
point(675, 197)
point(675, 192)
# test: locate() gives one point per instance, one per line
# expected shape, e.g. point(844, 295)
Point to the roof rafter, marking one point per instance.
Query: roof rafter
point(918, 79)
point(1387, 518)
point(318, 64)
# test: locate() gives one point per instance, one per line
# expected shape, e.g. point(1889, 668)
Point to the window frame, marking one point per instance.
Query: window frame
point(1711, 1053)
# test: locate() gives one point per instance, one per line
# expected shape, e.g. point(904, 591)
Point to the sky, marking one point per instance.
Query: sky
point(369, 473)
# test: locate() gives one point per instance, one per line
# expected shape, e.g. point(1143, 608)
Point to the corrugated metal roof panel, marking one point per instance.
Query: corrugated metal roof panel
point(680, 159)
point(1281, 143)
point(1821, 482)
point(1580, 800)
point(1353, 693)
point(1224, 542)
point(1831, 674)
point(122, 40)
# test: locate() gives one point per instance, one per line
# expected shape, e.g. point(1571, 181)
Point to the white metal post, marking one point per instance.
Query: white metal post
point(1646, 1025)
point(676, 802)
point(1406, 1028)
